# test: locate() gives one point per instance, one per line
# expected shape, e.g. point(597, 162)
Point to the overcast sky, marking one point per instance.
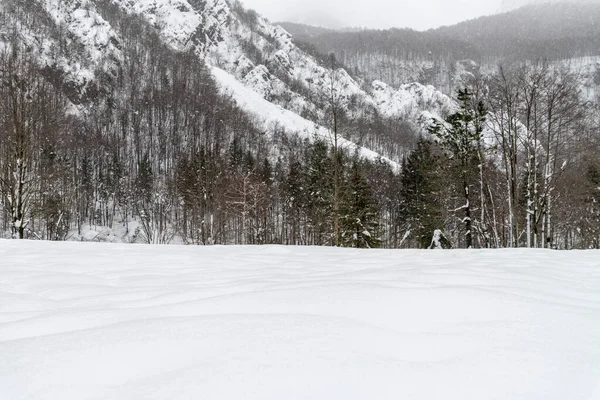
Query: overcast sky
point(416, 14)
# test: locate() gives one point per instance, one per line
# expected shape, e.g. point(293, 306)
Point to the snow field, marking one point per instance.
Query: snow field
point(115, 321)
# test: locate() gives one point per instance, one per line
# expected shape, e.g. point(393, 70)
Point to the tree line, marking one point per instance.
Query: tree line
point(554, 32)
point(523, 151)
point(160, 154)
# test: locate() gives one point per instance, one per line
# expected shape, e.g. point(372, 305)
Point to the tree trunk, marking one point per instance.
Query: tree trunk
point(467, 220)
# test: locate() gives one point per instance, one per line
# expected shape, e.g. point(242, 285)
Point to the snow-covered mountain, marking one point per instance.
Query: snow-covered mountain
point(243, 50)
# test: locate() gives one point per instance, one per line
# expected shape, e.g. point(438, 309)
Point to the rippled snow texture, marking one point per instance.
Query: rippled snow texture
point(99, 321)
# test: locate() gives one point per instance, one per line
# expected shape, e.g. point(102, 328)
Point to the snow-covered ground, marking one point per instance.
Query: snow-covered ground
point(104, 321)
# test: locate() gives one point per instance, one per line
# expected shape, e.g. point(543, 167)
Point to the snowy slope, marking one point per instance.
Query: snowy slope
point(221, 32)
point(176, 20)
point(412, 102)
point(69, 24)
point(259, 55)
point(84, 321)
point(85, 26)
point(273, 118)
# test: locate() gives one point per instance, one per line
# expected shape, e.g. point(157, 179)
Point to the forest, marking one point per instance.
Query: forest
point(553, 32)
point(159, 152)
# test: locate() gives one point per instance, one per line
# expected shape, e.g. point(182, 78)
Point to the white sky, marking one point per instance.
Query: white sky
point(416, 14)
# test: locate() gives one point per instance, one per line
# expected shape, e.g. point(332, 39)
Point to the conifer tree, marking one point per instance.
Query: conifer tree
point(295, 201)
point(420, 207)
point(320, 187)
point(359, 216)
point(460, 135)
point(591, 220)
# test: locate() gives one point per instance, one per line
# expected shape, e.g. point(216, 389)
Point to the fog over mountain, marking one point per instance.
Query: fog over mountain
point(512, 4)
point(419, 15)
point(382, 14)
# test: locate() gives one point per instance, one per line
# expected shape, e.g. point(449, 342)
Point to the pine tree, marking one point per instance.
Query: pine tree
point(420, 205)
point(460, 135)
point(295, 203)
point(591, 221)
point(145, 180)
point(359, 216)
point(320, 188)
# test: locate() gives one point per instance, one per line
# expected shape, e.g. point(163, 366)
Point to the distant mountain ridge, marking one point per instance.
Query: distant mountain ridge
point(441, 57)
point(526, 32)
point(550, 30)
point(508, 5)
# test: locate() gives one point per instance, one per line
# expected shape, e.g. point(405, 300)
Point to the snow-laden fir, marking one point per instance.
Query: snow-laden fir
point(93, 321)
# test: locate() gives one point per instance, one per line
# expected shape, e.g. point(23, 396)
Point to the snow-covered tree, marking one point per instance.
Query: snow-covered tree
point(421, 197)
point(461, 134)
point(359, 215)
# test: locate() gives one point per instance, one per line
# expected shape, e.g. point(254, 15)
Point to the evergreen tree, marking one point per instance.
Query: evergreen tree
point(359, 216)
point(145, 180)
point(591, 221)
point(421, 204)
point(295, 203)
point(237, 159)
point(460, 135)
point(321, 193)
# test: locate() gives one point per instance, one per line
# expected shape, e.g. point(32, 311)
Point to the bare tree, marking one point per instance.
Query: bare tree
point(29, 115)
point(503, 102)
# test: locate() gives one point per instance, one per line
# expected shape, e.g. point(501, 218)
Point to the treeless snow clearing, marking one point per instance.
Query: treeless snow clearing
point(103, 321)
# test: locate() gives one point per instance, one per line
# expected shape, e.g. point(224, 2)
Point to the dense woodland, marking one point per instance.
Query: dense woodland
point(560, 31)
point(160, 154)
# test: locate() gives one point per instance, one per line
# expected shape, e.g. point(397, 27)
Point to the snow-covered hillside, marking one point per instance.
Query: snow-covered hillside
point(45, 28)
point(412, 102)
point(259, 55)
point(274, 119)
point(93, 321)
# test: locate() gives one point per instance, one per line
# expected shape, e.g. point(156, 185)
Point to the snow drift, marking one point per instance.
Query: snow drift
point(98, 321)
